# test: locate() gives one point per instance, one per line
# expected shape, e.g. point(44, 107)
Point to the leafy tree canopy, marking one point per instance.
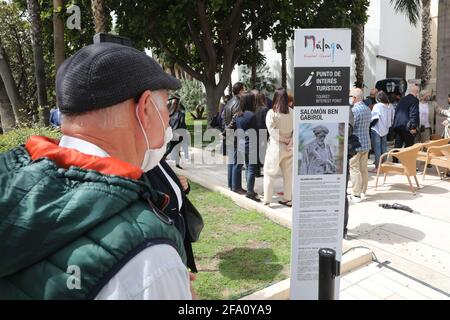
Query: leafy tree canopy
point(74, 39)
point(208, 37)
point(15, 38)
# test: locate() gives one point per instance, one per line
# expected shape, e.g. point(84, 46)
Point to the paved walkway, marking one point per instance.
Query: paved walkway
point(385, 282)
point(414, 248)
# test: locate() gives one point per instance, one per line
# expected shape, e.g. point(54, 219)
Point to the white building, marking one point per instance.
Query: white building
point(392, 45)
point(392, 48)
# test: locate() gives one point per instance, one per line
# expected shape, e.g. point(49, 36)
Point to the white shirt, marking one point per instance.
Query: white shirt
point(82, 146)
point(424, 115)
point(385, 115)
point(156, 273)
point(174, 186)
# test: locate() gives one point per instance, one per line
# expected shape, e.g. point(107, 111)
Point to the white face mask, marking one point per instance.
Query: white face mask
point(351, 101)
point(153, 156)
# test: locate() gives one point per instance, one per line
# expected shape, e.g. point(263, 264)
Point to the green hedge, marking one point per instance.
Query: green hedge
point(17, 137)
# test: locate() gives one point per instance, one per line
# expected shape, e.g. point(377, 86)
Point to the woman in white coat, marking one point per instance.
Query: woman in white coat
point(280, 124)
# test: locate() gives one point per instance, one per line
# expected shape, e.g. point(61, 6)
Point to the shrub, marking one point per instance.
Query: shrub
point(17, 137)
point(193, 98)
point(265, 81)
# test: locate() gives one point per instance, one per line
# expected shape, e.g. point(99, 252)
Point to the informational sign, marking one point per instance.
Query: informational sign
point(322, 85)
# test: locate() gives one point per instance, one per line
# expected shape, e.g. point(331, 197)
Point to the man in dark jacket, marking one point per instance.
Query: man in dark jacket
point(179, 208)
point(406, 121)
point(233, 105)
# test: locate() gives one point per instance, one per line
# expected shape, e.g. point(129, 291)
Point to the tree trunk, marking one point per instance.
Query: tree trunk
point(99, 15)
point(58, 32)
point(443, 60)
point(39, 64)
point(8, 120)
point(254, 65)
point(359, 58)
point(283, 65)
point(253, 76)
point(426, 56)
point(213, 96)
point(11, 87)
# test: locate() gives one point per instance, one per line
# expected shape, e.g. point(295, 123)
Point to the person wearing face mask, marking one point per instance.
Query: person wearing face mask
point(359, 174)
point(76, 215)
point(427, 116)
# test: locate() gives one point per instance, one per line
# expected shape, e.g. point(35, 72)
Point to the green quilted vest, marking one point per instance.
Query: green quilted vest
point(55, 221)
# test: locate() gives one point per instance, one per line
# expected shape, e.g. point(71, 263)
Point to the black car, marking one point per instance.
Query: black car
point(392, 87)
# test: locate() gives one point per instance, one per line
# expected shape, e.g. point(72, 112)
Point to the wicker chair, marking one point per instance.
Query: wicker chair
point(428, 151)
point(440, 158)
point(407, 164)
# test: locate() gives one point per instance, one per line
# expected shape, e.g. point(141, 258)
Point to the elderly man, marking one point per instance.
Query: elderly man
point(317, 157)
point(359, 174)
point(76, 220)
point(406, 121)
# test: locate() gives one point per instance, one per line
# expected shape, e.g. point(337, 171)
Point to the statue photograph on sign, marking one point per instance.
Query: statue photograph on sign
point(321, 149)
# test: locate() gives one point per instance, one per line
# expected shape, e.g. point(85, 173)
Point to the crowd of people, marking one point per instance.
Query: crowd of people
point(374, 121)
point(258, 133)
point(408, 120)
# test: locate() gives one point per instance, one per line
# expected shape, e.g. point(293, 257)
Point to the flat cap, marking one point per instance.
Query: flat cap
point(320, 129)
point(104, 74)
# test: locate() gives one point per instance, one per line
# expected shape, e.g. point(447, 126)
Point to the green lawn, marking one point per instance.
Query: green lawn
point(239, 251)
point(17, 137)
point(190, 122)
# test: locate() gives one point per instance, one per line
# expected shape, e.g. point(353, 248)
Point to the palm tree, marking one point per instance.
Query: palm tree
point(58, 32)
point(99, 15)
point(39, 63)
point(443, 59)
point(359, 55)
point(416, 10)
point(409, 7)
point(426, 55)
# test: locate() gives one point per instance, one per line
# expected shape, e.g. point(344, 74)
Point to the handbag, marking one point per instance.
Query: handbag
point(353, 144)
point(193, 220)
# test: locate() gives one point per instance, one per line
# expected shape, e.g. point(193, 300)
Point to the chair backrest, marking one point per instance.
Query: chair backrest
point(436, 151)
point(446, 153)
point(408, 158)
point(435, 143)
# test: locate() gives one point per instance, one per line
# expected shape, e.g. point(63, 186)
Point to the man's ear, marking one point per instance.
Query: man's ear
point(144, 108)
